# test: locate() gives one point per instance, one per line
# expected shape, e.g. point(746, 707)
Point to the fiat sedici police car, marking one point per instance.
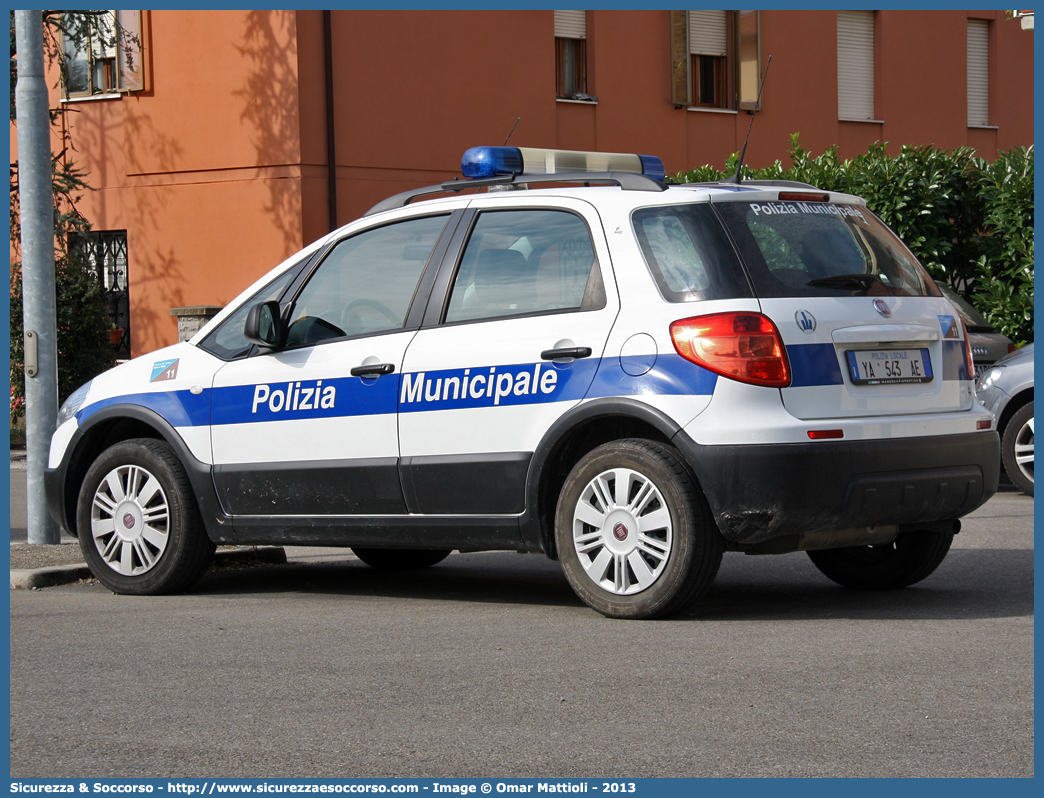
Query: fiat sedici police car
point(572, 358)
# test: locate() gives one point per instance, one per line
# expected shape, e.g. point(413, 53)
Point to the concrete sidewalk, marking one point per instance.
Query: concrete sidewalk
point(30, 576)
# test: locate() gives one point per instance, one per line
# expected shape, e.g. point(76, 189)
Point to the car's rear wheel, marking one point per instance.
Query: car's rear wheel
point(634, 533)
point(911, 557)
point(138, 523)
point(401, 559)
point(1017, 449)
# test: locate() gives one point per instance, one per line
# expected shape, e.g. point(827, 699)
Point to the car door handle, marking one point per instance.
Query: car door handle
point(569, 351)
point(373, 370)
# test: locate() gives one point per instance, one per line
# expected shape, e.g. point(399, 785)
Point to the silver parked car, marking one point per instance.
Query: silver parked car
point(1007, 390)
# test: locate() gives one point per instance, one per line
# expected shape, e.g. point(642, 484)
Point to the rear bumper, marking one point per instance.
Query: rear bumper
point(765, 491)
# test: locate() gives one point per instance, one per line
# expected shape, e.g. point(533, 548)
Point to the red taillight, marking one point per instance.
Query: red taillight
point(1012, 347)
point(822, 434)
point(741, 346)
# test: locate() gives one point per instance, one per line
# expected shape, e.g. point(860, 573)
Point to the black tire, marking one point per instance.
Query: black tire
point(669, 564)
point(162, 545)
point(401, 559)
point(1019, 433)
point(913, 556)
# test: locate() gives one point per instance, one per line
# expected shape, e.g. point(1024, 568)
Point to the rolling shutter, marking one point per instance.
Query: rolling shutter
point(978, 72)
point(570, 24)
point(708, 33)
point(855, 64)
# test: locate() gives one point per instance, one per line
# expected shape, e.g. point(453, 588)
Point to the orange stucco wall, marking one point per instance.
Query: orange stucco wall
point(219, 171)
point(204, 169)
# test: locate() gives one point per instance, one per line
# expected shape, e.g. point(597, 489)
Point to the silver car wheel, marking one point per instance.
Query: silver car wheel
point(1024, 449)
point(130, 520)
point(622, 531)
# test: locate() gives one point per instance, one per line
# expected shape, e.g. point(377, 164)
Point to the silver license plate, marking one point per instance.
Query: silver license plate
point(889, 366)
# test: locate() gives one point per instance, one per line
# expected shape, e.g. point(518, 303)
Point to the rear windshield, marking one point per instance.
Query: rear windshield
point(688, 253)
point(794, 249)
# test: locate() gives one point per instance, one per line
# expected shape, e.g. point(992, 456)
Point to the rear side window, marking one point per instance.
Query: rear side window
point(522, 262)
point(688, 253)
point(794, 249)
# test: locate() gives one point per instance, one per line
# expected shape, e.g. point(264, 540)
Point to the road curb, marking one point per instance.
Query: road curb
point(54, 575)
point(32, 578)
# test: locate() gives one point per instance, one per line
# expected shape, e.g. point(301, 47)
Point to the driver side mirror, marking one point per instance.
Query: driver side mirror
point(264, 326)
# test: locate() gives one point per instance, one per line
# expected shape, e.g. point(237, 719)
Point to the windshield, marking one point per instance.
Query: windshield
point(796, 249)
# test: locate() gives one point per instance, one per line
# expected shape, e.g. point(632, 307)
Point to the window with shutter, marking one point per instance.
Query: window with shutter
point(570, 54)
point(978, 72)
point(709, 50)
point(102, 53)
point(715, 58)
point(855, 65)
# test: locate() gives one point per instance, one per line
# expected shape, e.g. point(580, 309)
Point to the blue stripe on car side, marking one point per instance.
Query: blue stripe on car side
point(670, 374)
point(520, 384)
point(814, 364)
point(955, 367)
point(180, 408)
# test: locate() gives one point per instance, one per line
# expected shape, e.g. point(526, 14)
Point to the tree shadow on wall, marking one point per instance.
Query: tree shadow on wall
point(271, 103)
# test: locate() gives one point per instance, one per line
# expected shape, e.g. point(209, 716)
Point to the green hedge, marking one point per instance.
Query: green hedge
point(969, 221)
point(85, 346)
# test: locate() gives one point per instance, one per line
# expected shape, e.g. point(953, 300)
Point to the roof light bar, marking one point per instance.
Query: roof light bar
point(480, 162)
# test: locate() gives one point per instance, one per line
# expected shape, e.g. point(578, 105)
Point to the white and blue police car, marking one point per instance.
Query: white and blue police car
point(581, 360)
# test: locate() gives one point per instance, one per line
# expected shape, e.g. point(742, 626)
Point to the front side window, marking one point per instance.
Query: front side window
point(523, 262)
point(365, 284)
point(795, 249)
point(227, 341)
point(102, 53)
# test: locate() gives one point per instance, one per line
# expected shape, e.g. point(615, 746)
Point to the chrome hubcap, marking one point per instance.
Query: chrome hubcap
point(622, 531)
point(130, 522)
point(1024, 449)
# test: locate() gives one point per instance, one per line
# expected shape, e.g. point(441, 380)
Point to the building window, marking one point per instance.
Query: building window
point(571, 54)
point(102, 53)
point(708, 53)
point(106, 253)
point(715, 59)
point(978, 72)
point(855, 65)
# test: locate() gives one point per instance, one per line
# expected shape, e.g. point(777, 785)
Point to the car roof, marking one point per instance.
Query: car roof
point(621, 197)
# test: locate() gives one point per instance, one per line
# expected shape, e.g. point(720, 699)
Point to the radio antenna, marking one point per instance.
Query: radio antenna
point(512, 130)
point(739, 167)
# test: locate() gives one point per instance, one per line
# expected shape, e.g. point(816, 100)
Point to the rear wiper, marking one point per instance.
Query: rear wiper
point(845, 281)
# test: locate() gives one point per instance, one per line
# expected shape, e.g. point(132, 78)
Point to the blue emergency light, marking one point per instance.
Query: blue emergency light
point(492, 161)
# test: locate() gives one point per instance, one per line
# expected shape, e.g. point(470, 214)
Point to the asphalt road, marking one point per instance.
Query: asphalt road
point(488, 665)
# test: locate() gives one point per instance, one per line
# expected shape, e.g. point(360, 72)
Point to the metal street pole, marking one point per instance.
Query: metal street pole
point(36, 202)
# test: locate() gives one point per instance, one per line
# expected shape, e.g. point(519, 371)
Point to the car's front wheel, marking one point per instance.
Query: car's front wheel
point(1017, 449)
point(137, 520)
point(911, 557)
point(634, 533)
